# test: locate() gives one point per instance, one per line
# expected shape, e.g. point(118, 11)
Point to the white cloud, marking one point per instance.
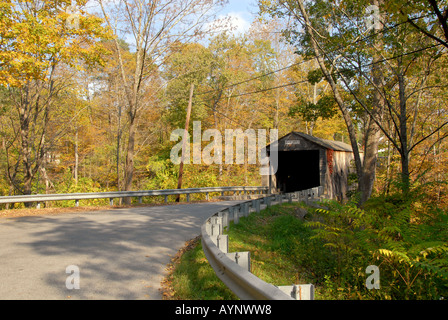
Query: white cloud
point(237, 20)
point(232, 21)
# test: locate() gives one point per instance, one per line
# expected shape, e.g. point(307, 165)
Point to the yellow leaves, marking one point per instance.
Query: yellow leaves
point(34, 37)
point(395, 255)
point(436, 249)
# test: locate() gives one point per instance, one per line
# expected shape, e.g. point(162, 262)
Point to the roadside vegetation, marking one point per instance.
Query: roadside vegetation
point(331, 248)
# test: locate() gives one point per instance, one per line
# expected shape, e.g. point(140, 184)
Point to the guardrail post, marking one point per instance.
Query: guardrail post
point(111, 201)
point(221, 241)
point(214, 228)
point(140, 200)
point(206, 196)
point(216, 219)
point(243, 209)
point(236, 218)
point(268, 201)
point(225, 218)
point(166, 199)
point(38, 205)
point(76, 203)
point(299, 291)
point(231, 213)
point(240, 258)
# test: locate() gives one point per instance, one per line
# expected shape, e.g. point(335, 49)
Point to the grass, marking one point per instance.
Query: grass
point(192, 278)
point(272, 238)
point(286, 249)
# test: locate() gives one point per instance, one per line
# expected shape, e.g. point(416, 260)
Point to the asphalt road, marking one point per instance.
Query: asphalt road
point(120, 254)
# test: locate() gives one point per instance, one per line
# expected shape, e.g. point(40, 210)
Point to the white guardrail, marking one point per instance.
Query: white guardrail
point(234, 268)
point(39, 198)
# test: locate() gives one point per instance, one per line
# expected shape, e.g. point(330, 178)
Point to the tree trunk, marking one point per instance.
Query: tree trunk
point(129, 165)
point(404, 149)
point(76, 168)
point(373, 132)
point(215, 120)
point(24, 118)
point(184, 142)
point(118, 147)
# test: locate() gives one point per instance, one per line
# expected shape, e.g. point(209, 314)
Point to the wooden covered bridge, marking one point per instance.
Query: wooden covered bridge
point(306, 162)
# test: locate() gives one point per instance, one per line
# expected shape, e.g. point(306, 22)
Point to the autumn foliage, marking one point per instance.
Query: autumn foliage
point(88, 99)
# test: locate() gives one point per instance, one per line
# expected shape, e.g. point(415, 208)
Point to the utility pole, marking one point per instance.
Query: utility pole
point(184, 142)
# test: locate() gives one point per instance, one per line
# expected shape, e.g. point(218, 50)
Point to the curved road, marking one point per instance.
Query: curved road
point(120, 253)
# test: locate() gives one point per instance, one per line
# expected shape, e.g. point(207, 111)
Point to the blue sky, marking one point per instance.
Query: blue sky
point(241, 12)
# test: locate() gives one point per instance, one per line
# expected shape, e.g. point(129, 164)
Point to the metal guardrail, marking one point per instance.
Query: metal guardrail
point(234, 268)
point(38, 198)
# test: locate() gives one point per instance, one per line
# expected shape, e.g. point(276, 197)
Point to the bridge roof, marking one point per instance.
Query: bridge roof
point(324, 143)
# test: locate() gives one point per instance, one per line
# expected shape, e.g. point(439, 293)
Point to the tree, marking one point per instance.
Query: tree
point(37, 40)
point(429, 17)
point(154, 26)
point(317, 41)
point(373, 68)
point(36, 35)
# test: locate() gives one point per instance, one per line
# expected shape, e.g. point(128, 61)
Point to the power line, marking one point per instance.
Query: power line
point(304, 81)
point(304, 61)
point(337, 72)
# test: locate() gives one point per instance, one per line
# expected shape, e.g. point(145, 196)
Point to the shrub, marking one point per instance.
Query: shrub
point(405, 237)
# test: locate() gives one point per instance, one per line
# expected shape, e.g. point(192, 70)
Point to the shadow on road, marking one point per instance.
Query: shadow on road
point(121, 254)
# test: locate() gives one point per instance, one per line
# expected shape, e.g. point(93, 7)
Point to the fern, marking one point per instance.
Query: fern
point(409, 243)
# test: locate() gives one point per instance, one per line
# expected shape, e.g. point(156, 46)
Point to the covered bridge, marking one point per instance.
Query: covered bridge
point(306, 162)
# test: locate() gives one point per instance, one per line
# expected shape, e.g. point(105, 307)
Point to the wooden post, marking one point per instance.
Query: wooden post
point(184, 142)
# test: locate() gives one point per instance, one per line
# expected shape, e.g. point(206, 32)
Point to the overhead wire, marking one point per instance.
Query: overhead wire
point(335, 73)
point(304, 61)
point(308, 60)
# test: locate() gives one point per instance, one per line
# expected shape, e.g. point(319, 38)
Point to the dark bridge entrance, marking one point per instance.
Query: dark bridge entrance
point(298, 170)
point(306, 162)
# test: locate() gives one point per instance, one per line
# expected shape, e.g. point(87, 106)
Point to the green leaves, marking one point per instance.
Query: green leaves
point(325, 108)
point(315, 76)
point(412, 253)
